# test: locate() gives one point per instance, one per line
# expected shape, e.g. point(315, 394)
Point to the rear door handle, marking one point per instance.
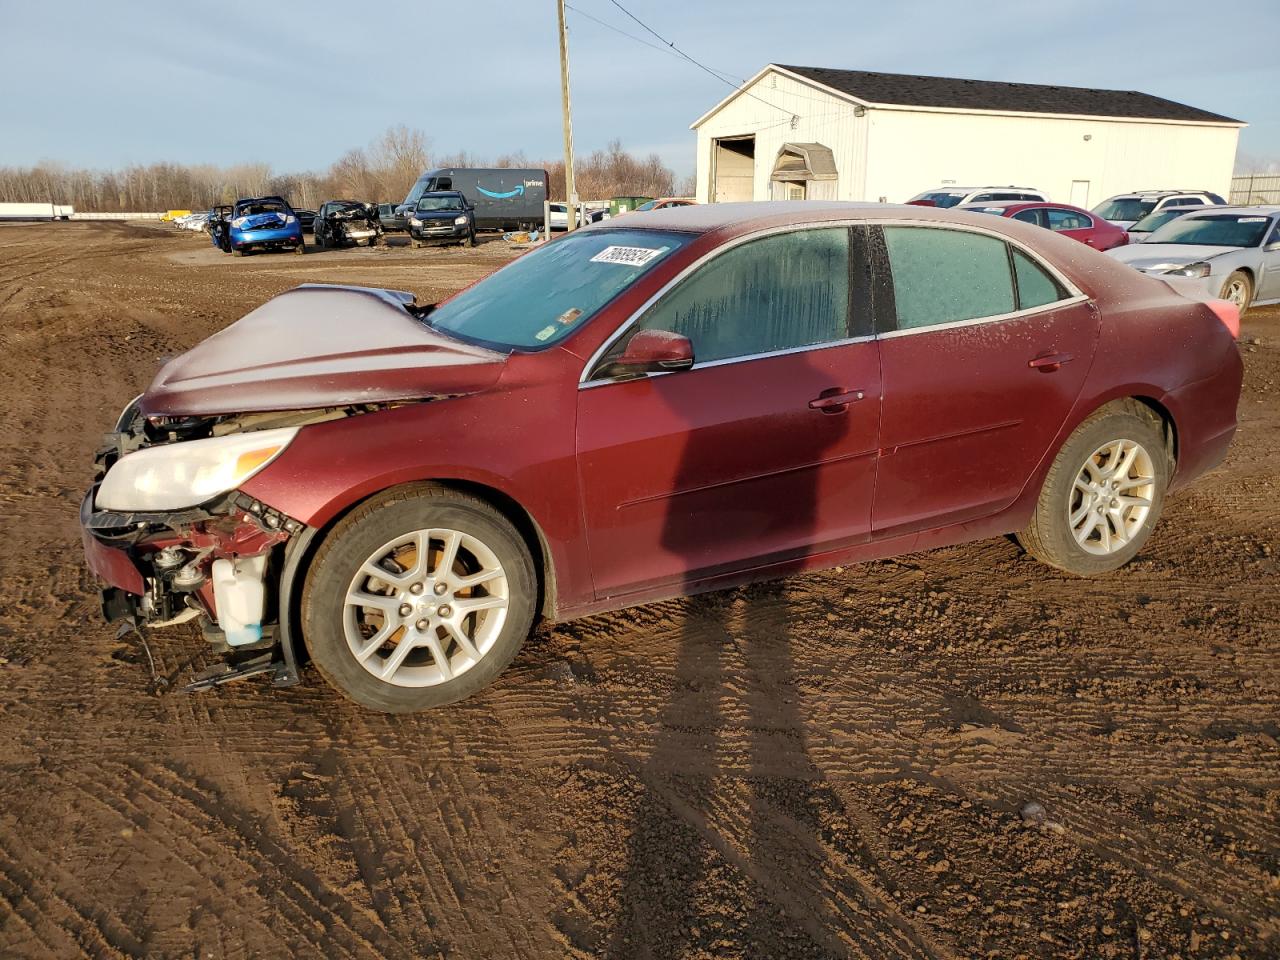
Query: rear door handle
point(1050, 363)
point(835, 400)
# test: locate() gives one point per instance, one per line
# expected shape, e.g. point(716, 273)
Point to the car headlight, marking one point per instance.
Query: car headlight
point(290, 219)
point(1197, 269)
point(415, 221)
point(188, 473)
point(459, 221)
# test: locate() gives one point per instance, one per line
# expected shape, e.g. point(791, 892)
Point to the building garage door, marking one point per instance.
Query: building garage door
point(735, 169)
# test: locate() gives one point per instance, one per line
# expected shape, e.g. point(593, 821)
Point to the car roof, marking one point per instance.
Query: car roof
point(1157, 193)
point(1018, 205)
point(1261, 210)
point(990, 186)
point(761, 214)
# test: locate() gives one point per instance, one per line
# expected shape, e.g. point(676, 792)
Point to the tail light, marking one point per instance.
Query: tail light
point(1229, 314)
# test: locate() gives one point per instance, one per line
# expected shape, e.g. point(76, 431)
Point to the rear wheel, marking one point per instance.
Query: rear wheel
point(237, 253)
point(1103, 494)
point(418, 599)
point(1238, 289)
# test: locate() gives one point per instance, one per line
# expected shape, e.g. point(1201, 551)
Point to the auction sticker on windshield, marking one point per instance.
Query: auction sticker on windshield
point(630, 256)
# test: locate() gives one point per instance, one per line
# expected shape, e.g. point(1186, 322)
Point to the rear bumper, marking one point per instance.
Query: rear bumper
point(290, 237)
point(1204, 413)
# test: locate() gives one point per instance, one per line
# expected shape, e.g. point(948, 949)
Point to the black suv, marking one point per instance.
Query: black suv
point(442, 216)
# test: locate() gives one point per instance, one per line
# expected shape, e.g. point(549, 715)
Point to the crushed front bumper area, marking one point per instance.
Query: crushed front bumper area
point(219, 564)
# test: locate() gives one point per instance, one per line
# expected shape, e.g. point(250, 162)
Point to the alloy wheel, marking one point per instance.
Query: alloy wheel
point(425, 607)
point(1236, 291)
point(1111, 497)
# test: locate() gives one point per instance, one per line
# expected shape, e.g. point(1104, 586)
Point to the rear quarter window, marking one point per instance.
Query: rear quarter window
point(947, 276)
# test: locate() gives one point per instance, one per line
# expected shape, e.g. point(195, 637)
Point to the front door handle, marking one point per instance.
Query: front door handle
point(1050, 363)
point(835, 400)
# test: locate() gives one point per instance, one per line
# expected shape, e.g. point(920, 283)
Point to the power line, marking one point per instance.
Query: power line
point(701, 66)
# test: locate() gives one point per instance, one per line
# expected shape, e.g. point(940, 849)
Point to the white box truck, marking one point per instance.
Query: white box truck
point(35, 211)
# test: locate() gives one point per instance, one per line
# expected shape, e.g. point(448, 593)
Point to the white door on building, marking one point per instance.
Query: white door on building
point(1080, 193)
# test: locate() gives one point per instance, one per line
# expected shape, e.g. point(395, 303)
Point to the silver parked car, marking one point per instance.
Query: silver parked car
point(1234, 251)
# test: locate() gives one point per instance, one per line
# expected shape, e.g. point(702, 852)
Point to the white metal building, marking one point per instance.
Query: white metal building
point(813, 133)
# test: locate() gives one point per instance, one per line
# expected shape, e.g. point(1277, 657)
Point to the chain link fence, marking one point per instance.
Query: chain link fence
point(1256, 188)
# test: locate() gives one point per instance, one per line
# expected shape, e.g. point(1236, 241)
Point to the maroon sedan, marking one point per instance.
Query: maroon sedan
point(686, 400)
point(1062, 218)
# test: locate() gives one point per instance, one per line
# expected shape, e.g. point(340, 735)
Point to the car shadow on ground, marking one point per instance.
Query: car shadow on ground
point(734, 679)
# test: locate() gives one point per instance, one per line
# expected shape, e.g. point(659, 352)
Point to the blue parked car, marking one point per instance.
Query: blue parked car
point(264, 223)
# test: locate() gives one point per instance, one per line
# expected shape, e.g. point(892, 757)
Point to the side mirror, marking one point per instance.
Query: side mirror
point(1272, 247)
point(654, 351)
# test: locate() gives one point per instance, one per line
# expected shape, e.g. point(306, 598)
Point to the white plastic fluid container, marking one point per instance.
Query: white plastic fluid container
point(239, 596)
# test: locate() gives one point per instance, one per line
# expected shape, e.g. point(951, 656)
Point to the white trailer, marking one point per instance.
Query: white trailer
point(35, 211)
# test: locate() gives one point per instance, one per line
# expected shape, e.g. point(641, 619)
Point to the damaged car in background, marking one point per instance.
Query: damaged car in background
point(651, 407)
point(343, 223)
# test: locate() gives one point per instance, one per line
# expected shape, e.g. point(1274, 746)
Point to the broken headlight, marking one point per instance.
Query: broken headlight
point(186, 474)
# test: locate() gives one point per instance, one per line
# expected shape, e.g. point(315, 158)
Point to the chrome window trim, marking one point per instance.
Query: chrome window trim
point(705, 258)
point(807, 348)
point(1074, 294)
point(999, 318)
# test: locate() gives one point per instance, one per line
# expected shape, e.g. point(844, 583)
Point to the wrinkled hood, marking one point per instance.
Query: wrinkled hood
point(1157, 257)
point(320, 346)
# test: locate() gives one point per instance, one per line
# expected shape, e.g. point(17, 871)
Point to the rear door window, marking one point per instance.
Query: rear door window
point(1034, 215)
point(947, 276)
point(1060, 219)
point(781, 292)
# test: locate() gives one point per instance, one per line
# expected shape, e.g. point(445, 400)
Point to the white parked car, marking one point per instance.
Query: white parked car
point(1233, 251)
point(954, 196)
point(1126, 209)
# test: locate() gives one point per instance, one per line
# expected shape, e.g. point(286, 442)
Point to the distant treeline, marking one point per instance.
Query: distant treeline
point(382, 171)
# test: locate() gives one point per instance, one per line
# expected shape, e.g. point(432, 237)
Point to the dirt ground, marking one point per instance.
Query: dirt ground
point(833, 765)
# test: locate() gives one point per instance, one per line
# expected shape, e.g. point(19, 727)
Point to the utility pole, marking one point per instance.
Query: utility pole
point(571, 205)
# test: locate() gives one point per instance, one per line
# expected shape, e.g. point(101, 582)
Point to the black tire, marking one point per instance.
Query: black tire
point(356, 538)
point(300, 249)
point(237, 253)
point(1240, 277)
point(471, 239)
point(1049, 537)
point(318, 237)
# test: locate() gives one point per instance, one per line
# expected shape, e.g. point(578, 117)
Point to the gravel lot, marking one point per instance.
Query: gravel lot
point(835, 765)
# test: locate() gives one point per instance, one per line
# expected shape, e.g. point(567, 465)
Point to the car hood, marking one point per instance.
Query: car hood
point(1157, 257)
point(320, 346)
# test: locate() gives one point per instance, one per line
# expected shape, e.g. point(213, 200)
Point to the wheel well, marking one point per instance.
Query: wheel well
point(1168, 428)
point(533, 536)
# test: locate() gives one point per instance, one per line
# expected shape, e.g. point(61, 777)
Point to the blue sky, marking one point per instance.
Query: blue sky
point(295, 84)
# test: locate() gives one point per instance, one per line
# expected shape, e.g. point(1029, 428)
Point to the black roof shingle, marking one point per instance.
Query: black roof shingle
point(906, 89)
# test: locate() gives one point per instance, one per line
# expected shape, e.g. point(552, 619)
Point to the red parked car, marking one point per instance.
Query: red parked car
point(1061, 218)
point(692, 399)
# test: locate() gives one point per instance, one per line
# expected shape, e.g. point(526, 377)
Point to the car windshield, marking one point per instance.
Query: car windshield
point(941, 198)
point(1154, 221)
point(1218, 230)
point(548, 293)
point(440, 203)
point(647, 205)
point(1124, 208)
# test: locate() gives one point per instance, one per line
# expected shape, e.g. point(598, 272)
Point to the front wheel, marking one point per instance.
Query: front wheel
point(1238, 289)
point(418, 599)
point(1103, 494)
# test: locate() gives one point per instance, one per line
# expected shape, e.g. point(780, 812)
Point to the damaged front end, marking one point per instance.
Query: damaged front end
point(220, 562)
